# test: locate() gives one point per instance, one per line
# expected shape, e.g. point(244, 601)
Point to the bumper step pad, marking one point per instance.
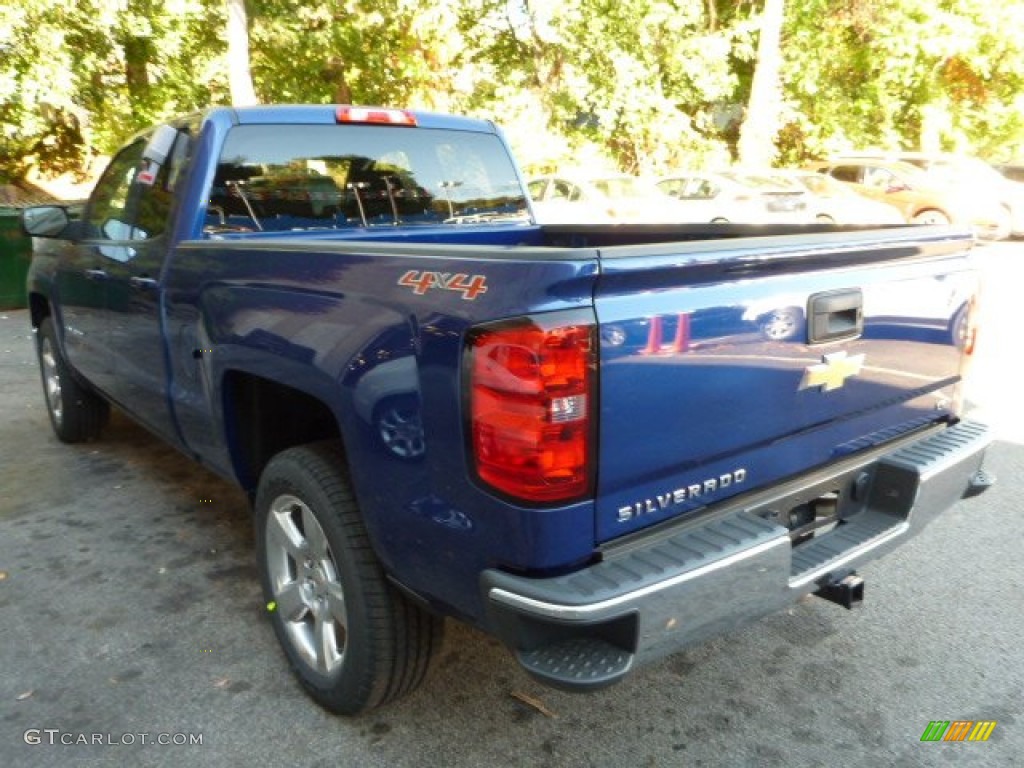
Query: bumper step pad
point(579, 663)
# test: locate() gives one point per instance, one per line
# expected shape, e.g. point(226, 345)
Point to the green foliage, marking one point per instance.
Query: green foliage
point(904, 74)
point(641, 86)
point(78, 76)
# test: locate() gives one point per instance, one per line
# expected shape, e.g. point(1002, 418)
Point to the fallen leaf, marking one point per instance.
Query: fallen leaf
point(3, 575)
point(25, 695)
point(535, 703)
point(221, 682)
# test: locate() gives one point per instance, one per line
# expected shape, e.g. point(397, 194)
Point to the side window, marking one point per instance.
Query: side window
point(699, 189)
point(108, 215)
point(879, 178)
point(128, 204)
point(536, 188)
point(154, 203)
point(561, 190)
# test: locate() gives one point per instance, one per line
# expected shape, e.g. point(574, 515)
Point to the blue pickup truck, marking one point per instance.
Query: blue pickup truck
point(598, 443)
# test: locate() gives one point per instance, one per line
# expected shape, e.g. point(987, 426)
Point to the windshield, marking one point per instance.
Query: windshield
point(274, 178)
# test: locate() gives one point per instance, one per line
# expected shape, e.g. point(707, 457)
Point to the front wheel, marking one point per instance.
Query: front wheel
point(76, 413)
point(354, 641)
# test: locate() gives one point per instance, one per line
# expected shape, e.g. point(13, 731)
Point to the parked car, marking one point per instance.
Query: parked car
point(733, 196)
point(832, 202)
point(581, 199)
point(923, 198)
point(977, 176)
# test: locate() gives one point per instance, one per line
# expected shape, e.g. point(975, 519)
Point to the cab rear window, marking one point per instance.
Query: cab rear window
point(283, 177)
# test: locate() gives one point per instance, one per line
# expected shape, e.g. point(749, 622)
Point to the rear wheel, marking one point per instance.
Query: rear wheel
point(76, 412)
point(354, 641)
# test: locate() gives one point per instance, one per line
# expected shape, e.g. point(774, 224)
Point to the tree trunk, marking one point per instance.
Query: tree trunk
point(761, 122)
point(239, 74)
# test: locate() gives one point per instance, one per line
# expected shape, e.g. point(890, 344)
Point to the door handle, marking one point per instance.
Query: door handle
point(145, 283)
point(96, 274)
point(835, 315)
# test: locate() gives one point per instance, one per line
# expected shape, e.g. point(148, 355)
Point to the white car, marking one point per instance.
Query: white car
point(614, 198)
point(733, 196)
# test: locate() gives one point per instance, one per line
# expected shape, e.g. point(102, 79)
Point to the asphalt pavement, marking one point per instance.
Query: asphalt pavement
point(132, 630)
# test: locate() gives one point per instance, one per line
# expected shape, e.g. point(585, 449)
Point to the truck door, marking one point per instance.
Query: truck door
point(83, 276)
point(133, 308)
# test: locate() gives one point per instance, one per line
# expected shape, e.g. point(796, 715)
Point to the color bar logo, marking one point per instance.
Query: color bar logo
point(958, 730)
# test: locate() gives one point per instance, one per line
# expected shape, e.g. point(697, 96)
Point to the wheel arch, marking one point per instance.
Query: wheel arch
point(263, 417)
point(924, 209)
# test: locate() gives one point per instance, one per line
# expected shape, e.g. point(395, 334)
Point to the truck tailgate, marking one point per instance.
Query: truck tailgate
point(727, 366)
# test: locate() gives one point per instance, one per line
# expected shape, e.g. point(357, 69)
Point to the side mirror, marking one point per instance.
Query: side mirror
point(45, 221)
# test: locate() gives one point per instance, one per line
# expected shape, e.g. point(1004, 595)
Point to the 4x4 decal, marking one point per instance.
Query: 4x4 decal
point(470, 286)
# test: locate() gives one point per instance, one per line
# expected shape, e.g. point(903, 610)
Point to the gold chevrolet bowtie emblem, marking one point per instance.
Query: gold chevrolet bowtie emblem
point(832, 371)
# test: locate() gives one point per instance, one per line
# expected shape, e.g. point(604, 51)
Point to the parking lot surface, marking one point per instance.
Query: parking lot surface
point(132, 621)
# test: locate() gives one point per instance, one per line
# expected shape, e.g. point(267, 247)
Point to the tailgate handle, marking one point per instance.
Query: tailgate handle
point(835, 315)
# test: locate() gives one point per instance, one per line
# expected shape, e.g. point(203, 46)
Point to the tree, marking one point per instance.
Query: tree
point(642, 86)
point(76, 77)
point(639, 83)
point(761, 122)
point(903, 74)
point(239, 76)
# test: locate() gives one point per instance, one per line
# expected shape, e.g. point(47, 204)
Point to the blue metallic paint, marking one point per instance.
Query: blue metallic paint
point(748, 410)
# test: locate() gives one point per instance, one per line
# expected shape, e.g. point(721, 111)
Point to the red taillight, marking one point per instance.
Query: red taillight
point(375, 115)
point(531, 401)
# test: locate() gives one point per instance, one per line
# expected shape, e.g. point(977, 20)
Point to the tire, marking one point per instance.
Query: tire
point(354, 641)
point(77, 414)
point(931, 216)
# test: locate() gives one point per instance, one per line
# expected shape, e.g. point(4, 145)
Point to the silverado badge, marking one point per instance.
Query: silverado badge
point(831, 372)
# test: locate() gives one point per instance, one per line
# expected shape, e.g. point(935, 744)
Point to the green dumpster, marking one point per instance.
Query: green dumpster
point(15, 253)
